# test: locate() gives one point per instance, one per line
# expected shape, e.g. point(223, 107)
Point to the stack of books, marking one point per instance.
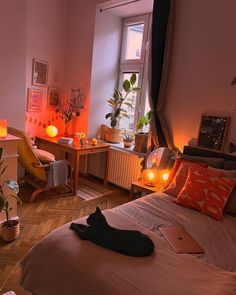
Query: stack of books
point(65, 140)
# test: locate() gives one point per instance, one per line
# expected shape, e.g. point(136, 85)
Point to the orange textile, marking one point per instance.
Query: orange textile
point(206, 192)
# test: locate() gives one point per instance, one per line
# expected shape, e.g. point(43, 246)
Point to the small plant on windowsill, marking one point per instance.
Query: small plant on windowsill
point(8, 189)
point(141, 137)
point(128, 138)
point(117, 103)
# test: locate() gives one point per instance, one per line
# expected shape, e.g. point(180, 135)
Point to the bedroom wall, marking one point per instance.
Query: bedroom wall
point(12, 69)
point(203, 64)
point(108, 30)
point(46, 40)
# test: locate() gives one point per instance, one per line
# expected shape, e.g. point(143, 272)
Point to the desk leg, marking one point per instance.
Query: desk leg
point(106, 167)
point(76, 174)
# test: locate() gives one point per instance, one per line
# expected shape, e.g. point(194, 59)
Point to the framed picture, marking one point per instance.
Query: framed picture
point(53, 97)
point(34, 100)
point(212, 132)
point(39, 72)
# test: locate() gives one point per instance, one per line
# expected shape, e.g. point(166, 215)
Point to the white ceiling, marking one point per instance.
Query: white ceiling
point(135, 8)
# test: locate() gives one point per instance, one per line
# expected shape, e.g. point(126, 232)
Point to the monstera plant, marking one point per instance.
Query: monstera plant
point(8, 189)
point(117, 102)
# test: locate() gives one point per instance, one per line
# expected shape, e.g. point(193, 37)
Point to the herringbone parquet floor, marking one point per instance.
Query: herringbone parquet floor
point(37, 219)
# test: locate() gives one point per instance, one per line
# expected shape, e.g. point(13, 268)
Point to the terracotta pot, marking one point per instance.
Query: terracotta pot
point(113, 135)
point(127, 144)
point(141, 142)
point(10, 233)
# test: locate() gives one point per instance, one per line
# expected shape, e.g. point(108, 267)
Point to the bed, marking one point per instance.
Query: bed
point(63, 264)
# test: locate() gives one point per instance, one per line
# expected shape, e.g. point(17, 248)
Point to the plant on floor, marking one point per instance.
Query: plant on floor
point(8, 188)
point(118, 100)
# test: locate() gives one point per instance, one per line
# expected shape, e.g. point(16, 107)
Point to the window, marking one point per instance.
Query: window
point(132, 60)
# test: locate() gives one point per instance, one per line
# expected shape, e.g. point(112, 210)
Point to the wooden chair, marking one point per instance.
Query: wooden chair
point(36, 172)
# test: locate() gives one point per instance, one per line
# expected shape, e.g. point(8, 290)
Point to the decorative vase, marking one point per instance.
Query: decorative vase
point(141, 140)
point(66, 131)
point(113, 135)
point(10, 233)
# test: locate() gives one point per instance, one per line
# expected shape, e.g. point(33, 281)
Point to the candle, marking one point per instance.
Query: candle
point(3, 128)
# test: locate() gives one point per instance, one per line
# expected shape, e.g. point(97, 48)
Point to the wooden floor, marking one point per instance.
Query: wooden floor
point(49, 211)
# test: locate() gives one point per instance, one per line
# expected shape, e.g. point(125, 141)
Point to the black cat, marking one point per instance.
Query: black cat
point(128, 242)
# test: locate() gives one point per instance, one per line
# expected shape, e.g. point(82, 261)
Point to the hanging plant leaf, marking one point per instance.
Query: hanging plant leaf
point(126, 86)
point(136, 89)
point(133, 79)
point(108, 115)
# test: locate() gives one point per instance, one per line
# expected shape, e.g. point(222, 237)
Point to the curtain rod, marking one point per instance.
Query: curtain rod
point(118, 5)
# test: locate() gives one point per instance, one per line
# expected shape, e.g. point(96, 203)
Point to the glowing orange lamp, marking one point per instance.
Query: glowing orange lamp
point(52, 131)
point(164, 175)
point(94, 141)
point(3, 128)
point(150, 177)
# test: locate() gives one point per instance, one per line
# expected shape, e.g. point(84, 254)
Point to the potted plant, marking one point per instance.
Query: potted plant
point(117, 101)
point(141, 137)
point(10, 229)
point(128, 138)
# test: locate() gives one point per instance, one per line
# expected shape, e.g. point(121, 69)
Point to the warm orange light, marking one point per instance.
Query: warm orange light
point(3, 128)
point(164, 175)
point(150, 177)
point(52, 131)
point(94, 141)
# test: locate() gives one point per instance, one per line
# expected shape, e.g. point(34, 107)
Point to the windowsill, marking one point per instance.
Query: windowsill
point(120, 146)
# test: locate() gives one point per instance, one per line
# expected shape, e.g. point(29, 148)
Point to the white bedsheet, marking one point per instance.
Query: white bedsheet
point(62, 264)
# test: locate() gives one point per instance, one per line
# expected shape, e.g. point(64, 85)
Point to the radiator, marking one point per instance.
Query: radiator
point(124, 167)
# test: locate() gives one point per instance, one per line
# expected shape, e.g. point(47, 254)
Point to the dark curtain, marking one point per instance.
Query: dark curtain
point(161, 11)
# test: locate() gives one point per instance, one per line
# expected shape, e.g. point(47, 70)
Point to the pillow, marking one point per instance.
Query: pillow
point(224, 173)
point(205, 192)
point(44, 156)
point(230, 207)
point(180, 177)
point(176, 168)
point(210, 161)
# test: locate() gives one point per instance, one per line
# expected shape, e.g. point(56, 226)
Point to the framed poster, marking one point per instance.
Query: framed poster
point(212, 132)
point(53, 97)
point(39, 72)
point(34, 103)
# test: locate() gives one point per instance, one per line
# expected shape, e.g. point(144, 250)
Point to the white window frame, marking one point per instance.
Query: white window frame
point(135, 65)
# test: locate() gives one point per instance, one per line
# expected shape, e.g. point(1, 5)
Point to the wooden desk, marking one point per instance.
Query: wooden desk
point(76, 151)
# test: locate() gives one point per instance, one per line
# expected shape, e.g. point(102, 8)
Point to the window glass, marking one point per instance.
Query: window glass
point(134, 40)
point(128, 123)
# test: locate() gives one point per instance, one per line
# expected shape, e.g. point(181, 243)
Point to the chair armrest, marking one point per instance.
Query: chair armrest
point(40, 165)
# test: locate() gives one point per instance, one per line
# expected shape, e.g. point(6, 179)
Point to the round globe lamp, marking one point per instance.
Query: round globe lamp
point(150, 177)
point(164, 175)
point(52, 131)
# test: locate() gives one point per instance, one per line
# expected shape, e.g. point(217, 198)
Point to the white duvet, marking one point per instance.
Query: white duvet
point(62, 264)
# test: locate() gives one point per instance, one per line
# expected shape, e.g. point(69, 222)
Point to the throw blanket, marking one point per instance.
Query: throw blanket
point(58, 173)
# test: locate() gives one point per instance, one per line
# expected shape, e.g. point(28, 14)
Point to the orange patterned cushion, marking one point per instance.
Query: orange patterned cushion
point(206, 192)
point(44, 156)
point(178, 181)
point(176, 166)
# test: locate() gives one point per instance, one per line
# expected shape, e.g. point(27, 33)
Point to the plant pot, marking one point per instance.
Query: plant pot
point(113, 135)
point(10, 233)
point(141, 140)
point(127, 144)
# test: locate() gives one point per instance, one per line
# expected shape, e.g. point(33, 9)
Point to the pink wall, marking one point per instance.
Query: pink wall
point(203, 63)
point(46, 40)
point(12, 69)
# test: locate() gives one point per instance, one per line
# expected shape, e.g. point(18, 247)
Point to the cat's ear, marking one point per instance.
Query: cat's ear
point(98, 210)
